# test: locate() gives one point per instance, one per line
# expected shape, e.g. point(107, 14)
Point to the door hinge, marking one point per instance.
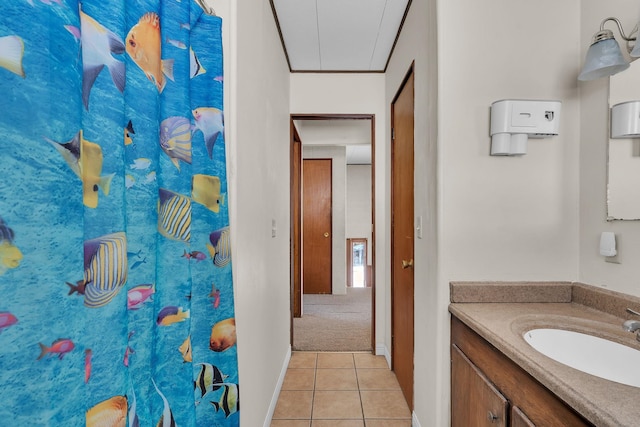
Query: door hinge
point(393, 133)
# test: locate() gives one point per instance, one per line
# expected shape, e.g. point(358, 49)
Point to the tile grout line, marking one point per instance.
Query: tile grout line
point(355, 368)
point(313, 393)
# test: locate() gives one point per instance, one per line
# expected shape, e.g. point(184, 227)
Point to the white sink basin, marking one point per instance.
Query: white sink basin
point(587, 353)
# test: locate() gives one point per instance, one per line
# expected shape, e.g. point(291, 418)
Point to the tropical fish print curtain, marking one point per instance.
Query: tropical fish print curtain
point(116, 294)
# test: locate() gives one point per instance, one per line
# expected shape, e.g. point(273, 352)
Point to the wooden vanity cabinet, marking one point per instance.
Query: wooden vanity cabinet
point(489, 389)
point(474, 400)
point(519, 419)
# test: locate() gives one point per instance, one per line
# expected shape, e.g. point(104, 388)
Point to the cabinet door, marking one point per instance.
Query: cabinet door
point(519, 419)
point(475, 402)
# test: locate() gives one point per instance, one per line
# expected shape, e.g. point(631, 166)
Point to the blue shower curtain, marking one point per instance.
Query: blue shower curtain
point(116, 293)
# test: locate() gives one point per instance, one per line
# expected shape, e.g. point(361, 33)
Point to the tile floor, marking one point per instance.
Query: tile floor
point(340, 390)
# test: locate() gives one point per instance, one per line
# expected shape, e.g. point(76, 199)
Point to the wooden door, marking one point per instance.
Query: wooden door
point(402, 238)
point(316, 226)
point(475, 402)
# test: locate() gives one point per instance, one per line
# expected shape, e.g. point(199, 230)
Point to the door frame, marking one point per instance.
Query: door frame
point(296, 214)
point(350, 242)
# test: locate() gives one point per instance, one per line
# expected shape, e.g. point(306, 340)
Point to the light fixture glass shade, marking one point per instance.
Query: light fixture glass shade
point(635, 53)
point(604, 58)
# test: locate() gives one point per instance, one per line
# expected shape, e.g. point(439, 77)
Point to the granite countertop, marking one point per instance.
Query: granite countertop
point(573, 306)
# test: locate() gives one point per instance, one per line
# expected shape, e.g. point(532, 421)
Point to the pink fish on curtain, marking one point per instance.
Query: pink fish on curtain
point(216, 298)
point(138, 295)
point(7, 319)
point(88, 353)
point(60, 346)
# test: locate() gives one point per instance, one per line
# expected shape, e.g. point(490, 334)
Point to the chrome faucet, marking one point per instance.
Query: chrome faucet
point(632, 325)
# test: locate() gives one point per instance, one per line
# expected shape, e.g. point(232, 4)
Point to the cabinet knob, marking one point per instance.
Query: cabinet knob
point(492, 417)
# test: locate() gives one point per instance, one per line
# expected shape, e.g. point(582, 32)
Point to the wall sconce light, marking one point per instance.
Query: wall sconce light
point(625, 120)
point(604, 57)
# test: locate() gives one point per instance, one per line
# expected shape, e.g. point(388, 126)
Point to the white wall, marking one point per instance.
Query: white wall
point(358, 223)
point(338, 211)
point(507, 218)
point(594, 270)
point(257, 131)
point(418, 42)
point(498, 218)
point(356, 94)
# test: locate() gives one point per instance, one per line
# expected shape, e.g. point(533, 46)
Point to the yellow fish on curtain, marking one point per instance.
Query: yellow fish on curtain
point(115, 260)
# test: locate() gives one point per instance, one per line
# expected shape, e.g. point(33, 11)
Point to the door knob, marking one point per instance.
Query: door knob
point(407, 264)
point(326, 234)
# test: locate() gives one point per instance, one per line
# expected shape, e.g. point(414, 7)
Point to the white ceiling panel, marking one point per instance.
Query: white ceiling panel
point(348, 32)
point(339, 35)
point(355, 135)
point(391, 22)
point(358, 154)
point(334, 132)
point(299, 27)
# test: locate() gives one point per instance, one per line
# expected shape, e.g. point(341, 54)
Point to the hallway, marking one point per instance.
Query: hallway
point(338, 323)
point(340, 390)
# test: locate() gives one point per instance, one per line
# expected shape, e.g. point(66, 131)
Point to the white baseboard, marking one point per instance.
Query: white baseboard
point(382, 350)
point(276, 392)
point(414, 420)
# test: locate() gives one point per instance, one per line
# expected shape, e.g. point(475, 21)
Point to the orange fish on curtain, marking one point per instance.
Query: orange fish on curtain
point(144, 46)
point(110, 412)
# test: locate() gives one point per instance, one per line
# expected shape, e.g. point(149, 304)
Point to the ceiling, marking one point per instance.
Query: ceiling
point(355, 135)
point(339, 35)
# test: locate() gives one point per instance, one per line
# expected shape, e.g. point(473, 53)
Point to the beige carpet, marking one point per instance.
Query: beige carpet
point(334, 322)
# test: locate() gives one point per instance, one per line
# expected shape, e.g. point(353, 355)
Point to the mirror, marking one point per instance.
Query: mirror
point(623, 160)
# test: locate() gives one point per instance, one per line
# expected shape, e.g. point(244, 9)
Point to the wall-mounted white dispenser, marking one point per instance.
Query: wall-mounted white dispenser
point(625, 120)
point(608, 244)
point(514, 121)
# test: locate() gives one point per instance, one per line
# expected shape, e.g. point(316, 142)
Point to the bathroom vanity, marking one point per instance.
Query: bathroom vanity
point(498, 379)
